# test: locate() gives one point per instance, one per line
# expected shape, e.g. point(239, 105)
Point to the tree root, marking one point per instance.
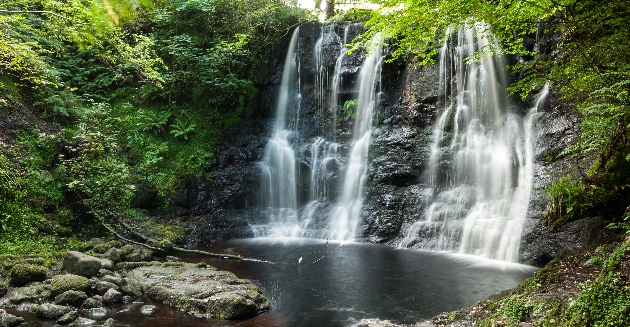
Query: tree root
point(150, 240)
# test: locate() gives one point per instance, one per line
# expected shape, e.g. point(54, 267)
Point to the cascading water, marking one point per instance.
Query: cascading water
point(346, 216)
point(279, 180)
point(297, 201)
point(481, 159)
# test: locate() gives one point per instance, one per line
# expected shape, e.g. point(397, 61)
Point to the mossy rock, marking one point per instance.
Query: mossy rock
point(198, 291)
point(51, 311)
point(138, 254)
point(22, 274)
point(104, 247)
point(4, 288)
point(126, 250)
point(31, 294)
point(9, 320)
point(63, 283)
point(74, 298)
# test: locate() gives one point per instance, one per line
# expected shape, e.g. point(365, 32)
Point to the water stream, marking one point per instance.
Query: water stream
point(287, 149)
point(481, 158)
point(353, 282)
point(347, 214)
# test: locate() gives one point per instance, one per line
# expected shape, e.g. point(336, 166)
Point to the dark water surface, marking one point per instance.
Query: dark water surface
point(353, 282)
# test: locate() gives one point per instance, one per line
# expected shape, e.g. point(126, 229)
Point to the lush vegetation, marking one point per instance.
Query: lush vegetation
point(102, 98)
point(588, 69)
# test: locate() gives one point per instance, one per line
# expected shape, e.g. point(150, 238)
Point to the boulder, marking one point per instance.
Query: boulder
point(203, 292)
point(102, 287)
point(81, 264)
point(104, 247)
point(63, 283)
point(22, 274)
point(107, 264)
point(138, 254)
point(9, 320)
point(541, 244)
point(112, 296)
point(92, 303)
point(95, 312)
point(68, 318)
point(73, 298)
point(171, 258)
point(4, 288)
point(83, 322)
point(131, 265)
point(35, 293)
point(51, 311)
point(131, 287)
point(116, 280)
point(148, 310)
point(112, 254)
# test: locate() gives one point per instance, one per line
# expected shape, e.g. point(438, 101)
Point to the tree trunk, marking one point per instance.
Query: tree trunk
point(330, 8)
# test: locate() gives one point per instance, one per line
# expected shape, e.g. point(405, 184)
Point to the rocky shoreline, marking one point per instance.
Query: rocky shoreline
point(78, 291)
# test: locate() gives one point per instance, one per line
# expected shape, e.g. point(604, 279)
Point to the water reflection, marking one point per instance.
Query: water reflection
point(352, 282)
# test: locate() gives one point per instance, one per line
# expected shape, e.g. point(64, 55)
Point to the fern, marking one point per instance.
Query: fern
point(182, 130)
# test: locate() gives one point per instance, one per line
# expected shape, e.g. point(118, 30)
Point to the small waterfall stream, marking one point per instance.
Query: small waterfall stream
point(347, 214)
point(279, 180)
point(481, 159)
point(291, 214)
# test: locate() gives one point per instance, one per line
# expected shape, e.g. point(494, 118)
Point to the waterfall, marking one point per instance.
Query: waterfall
point(346, 216)
point(481, 158)
point(279, 175)
point(336, 83)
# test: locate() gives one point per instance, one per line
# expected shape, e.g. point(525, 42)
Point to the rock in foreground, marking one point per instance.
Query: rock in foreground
point(200, 291)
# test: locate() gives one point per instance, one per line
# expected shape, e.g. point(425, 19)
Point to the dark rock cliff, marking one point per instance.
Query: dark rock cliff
point(224, 206)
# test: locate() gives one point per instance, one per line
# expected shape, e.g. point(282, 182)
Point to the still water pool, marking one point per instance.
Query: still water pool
point(350, 282)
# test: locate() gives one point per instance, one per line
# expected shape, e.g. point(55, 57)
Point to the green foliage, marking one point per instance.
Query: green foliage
point(569, 199)
point(350, 108)
point(516, 308)
point(353, 14)
point(214, 47)
point(417, 27)
point(182, 130)
point(118, 85)
point(605, 301)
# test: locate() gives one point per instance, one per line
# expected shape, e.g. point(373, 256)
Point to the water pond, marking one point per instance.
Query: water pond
point(349, 282)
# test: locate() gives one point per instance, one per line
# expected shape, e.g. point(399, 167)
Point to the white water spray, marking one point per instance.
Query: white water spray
point(481, 195)
point(346, 216)
point(279, 180)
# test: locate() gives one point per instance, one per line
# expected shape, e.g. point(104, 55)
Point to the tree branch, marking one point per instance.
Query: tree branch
point(130, 241)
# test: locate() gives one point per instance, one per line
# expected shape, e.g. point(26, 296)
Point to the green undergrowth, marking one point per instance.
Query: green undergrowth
point(101, 103)
point(543, 299)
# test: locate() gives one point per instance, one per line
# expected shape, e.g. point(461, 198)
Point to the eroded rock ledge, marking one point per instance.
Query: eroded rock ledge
point(86, 285)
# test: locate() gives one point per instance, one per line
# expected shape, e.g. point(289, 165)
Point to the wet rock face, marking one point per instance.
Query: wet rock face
point(541, 244)
point(396, 191)
point(399, 150)
point(556, 130)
